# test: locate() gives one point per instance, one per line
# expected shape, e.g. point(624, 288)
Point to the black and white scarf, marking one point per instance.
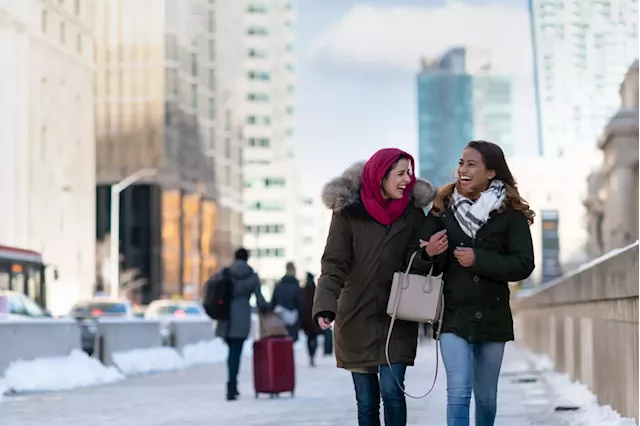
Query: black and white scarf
point(473, 215)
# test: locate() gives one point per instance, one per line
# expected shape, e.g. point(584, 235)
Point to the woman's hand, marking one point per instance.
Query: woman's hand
point(324, 323)
point(437, 244)
point(465, 255)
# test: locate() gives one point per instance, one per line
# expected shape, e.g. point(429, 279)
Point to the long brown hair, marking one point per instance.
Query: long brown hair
point(493, 158)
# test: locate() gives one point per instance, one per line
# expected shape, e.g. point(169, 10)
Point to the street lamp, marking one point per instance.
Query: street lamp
point(114, 242)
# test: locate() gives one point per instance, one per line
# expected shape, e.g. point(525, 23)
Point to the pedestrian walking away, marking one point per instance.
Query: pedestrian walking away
point(287, 301)
point(309, 326)
point(377, 210)
point(235, 330)
point(477, 234)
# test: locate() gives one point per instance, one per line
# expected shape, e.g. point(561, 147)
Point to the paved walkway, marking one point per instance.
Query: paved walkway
point(324, 397)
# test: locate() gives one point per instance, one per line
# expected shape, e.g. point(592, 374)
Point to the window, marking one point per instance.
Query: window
point(290, 68)
point(257, 8)
point(258, 97)
point(274, 182)
point(212, 21)
point(44, 21)
point(212, 109)
point(76, 7)
point(257, 53)
point(259, 119)
point(289, 131)
point(259, 31)
point(268, 205)
point(212, 79)
point(260, 142)
point(194, 96)
point(258, 75)
point(212, 50)
point(290, 89)
point(289, 47)
point(194, 64)
point(62, 30)
point(227, 147)
point(290, 110)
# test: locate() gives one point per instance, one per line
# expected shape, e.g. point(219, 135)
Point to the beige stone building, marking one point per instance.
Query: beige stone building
point(613, 190)
point(47, 142)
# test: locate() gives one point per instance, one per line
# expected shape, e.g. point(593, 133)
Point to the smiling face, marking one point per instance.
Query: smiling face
point(396, 181)
point(473, 175)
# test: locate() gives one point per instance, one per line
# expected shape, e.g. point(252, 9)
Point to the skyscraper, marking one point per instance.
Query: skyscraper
point(582, 50)
point(165, 101)
point(460, 99)
point(272, 203)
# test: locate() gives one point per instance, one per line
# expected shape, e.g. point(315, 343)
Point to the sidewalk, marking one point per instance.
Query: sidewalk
point(324, 397)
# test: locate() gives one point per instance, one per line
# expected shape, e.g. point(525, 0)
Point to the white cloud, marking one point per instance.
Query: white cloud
point(397, 37)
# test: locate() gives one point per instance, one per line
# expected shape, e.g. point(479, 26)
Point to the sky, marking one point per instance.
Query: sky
point(357, 66)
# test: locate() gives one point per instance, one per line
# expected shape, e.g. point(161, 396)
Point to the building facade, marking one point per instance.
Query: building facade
point(612, 201)
point(158, 107)
point(271, 196)
point(47, 140)
point(460, 99)
point(581, 52)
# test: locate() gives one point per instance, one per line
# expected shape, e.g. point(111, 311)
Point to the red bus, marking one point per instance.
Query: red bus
point(22, 271)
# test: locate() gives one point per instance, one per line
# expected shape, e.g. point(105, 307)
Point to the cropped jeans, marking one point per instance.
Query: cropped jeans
point(471, 366)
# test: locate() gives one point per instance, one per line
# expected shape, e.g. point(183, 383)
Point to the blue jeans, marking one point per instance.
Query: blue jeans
point(368, 390)
point(471, 366)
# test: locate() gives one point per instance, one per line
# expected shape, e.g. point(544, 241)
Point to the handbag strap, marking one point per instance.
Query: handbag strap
point(396, 303)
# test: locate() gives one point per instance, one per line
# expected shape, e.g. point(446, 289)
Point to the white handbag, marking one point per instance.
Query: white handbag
point(416, 298)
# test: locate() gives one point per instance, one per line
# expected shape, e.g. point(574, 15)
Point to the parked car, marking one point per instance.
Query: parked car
point(87, 313)
point(14, 305)
point(167, 310)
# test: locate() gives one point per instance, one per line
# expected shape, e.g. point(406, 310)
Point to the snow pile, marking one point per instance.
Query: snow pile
point(149, 360)
point(211, 351)
point(205, 352)
point(575, 394)
point(57, 373)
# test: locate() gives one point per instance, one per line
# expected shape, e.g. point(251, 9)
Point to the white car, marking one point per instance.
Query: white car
point(167, 310)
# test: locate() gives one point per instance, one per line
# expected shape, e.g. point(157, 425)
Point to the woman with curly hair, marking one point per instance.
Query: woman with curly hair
point(484, 242)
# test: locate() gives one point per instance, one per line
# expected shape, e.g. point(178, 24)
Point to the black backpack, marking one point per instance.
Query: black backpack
point(218, 296)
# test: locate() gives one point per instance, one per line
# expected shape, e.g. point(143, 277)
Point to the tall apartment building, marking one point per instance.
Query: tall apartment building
point(271, 196)
point(582, 50)
point(158, 106)
point(460, 99)
point(47, 171)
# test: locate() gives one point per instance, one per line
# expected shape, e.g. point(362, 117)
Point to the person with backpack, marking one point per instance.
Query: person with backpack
point(227, 301)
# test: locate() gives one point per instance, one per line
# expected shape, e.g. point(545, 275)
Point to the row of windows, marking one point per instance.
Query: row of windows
point(258, 97)
point(259, 142)
point(268, 182)
point(264, 229)
point(259, 75)
point(263, 8)
point(268, 205)
point(267, 252)
point(259, 119)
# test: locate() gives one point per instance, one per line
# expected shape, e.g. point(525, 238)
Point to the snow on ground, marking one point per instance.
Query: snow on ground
point(148, 360)
point(57, 373)
point(571, 394)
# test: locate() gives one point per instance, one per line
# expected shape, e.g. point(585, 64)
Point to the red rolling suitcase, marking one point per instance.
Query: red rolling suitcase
point(273, 366)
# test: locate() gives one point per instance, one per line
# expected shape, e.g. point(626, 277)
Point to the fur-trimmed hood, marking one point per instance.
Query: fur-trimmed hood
point(344, 191)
